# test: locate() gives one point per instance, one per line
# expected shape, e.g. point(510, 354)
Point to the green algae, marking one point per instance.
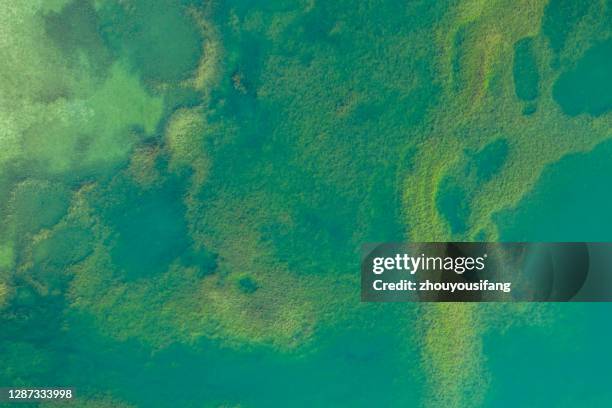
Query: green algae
point(65, 246)
point(37, 204)
point(560, 18)
point(186, 186)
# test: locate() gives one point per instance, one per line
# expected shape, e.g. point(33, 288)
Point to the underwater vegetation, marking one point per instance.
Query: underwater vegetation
point(185, 186)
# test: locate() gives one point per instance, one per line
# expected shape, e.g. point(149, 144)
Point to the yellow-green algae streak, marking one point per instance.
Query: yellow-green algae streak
point(185, 186)
point(478, 107)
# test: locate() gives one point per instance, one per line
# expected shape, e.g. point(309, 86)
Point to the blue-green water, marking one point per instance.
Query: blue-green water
point(569, 203)
point(185, 186)
point(537, 366)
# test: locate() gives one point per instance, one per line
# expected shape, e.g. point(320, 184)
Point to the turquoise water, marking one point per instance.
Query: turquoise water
point(356, 365)
point(586, 88)
point(185, 186)
point(525, 70)
point(546, 362)
point(455, 191)
point(569, 203)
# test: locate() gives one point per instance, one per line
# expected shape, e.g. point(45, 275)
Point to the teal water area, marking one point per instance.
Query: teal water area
point(476, 168)
point(560, 18)
point(571, 202)
point(185, 185)
point(526, 75)
point(536, 366)
point(359, 365)
point(587, 87)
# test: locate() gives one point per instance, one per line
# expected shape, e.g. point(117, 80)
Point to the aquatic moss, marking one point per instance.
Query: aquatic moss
point(4, 294)
point(65, 246)
point(7, 256)
point(451, 356)
point(560, 18)
point(37, 204)
point(269, 140)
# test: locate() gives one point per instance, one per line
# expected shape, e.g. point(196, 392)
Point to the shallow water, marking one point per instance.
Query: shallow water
point(185, 186)
point(569, 203)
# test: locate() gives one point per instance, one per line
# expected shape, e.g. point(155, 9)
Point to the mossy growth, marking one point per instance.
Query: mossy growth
point(37, 204)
